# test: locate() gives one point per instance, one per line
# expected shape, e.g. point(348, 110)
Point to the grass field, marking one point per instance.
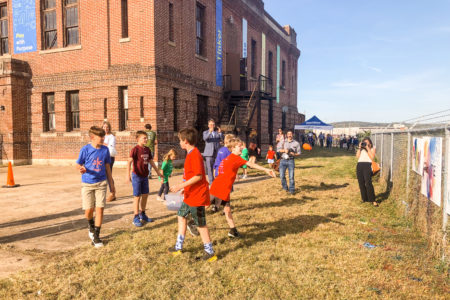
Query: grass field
point(307, 246)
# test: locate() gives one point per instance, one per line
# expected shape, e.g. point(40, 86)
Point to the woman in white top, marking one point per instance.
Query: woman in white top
point(365, 155)
point(110, 142)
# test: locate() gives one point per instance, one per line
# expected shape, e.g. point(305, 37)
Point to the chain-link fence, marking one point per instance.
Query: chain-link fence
point(398, 152)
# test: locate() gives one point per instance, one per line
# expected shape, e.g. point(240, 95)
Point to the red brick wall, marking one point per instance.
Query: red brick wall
point(146, 62)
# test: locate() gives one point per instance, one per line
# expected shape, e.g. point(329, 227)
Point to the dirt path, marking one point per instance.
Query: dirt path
point(44, 214)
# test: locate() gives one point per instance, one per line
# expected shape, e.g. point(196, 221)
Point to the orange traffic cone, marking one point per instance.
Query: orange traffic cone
point(10, 179)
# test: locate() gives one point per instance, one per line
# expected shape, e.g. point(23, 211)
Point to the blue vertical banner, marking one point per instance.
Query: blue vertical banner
point(24, 25)
point(244, 38)
point(219, 43)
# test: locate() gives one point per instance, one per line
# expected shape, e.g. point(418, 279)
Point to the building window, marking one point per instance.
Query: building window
point(270, 65)
point(283, 74)
point(105, 108)
point(71, 36)
point(124, 8)
point(141, 105)
point(175, 109)
point(253, 54)
point(49, 121)
point(200, 27)
point(123, 108)
point(171, 23)
point(4, 29)
point(73, 110)
point(49, 24)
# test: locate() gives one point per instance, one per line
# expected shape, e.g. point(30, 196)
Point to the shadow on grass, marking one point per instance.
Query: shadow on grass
point(251, 179)
point(387, 192)
point(323, 187)
point(285, 202)
point(309, 167)
point(274, 230)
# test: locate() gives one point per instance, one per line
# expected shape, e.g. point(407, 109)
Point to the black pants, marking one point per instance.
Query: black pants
point(364, 175)
point(164, 189)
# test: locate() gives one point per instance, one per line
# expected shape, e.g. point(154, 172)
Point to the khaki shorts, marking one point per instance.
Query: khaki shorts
point(93, 194)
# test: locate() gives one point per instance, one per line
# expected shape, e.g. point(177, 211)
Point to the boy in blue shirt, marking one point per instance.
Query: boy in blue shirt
point(94, 165)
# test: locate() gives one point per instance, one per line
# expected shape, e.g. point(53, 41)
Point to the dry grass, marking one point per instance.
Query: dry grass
point(294, 247)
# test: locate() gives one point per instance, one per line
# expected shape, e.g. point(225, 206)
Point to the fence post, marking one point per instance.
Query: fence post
point(381, 155)
point(392, 157)
point(408, 166)
point(446, 189)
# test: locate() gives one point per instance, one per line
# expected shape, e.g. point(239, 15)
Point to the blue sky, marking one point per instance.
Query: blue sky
point(363, 60)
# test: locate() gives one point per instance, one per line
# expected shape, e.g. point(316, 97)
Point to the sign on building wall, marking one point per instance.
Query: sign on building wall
point(432, 169)
point(244, 38)
point(24, 26)
point(278, 73)
point(219, 48)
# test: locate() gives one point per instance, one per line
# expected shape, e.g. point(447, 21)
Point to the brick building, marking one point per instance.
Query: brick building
point(66, 65)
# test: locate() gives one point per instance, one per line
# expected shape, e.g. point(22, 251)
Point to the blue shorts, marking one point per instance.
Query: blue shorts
point(140, 185)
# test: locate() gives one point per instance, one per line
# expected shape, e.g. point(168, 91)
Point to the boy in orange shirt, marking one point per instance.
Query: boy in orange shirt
point(223, 183)
point(196, 195)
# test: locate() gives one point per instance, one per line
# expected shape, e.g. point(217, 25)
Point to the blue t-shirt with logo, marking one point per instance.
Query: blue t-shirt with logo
point(94, 160)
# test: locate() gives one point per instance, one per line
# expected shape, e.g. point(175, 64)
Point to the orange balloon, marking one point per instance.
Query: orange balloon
point(307, 147)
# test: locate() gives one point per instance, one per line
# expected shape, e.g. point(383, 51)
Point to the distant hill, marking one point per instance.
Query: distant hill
point(358, 124)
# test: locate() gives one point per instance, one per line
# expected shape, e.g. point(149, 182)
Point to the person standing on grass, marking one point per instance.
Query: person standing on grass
point(196, 196)
point(223, 184)
point(151, 142)
point(110, 142)
point(140, 158)
point(365, 155)
point(271, 156)
point(167, 168)
point(212, 140)
point(244, 155)
point(289, 150)
point(321, 138)
point(94, 164)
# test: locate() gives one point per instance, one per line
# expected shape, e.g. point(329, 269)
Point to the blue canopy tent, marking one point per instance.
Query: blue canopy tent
point(314, 123)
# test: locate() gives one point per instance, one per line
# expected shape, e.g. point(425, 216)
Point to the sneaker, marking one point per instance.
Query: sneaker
point(208, 257)
point(149, 176)
point(143, 217)
point(159, 198)
point(233, 233)
point(97, 242)
point(137, 221)
point(192, 228)
point(91, 233)
point(243, 176)
point(214, 209)
point(174, 252)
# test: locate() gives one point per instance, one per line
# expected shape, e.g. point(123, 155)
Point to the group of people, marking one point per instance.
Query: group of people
point(223, 156)
point(96, 159)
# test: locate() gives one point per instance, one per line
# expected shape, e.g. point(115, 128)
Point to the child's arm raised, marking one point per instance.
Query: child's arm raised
point(269, 172)
point(109, 176)
point(191, 181)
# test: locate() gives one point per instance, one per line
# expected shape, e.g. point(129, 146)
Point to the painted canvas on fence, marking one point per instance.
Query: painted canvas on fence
point(417, 159)
point(432, 169)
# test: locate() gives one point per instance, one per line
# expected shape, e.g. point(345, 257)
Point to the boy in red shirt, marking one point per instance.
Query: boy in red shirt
point(223, 183)
point(140, 157)
point(271, 157)
point(196, 195)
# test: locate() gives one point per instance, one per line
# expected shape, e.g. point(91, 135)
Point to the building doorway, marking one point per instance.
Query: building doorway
point(202, 119)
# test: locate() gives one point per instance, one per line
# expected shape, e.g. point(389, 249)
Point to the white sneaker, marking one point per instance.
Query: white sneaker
point(91, 235)
point(244, 176)
point(159, 198)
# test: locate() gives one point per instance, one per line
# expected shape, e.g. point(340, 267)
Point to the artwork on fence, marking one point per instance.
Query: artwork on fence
point(417, 159)
point(432, 169)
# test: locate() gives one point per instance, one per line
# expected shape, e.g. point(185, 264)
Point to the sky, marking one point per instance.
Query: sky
point(370, 60)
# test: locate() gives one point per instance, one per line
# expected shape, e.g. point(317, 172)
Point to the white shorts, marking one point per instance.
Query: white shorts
point(270, 161)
